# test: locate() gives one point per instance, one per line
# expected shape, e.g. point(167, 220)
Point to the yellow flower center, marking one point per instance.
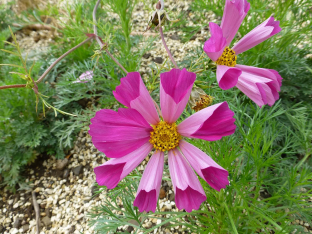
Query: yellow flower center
point(164, 136)
point(203, 102)
point(228, 58)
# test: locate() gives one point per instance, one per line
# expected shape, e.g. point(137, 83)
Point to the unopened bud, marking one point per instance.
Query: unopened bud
point(199, 99)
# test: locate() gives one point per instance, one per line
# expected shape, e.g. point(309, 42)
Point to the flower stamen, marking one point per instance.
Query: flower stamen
point(164, 136)
point(228, 58)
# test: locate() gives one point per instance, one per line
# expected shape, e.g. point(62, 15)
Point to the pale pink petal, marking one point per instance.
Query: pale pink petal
point(114, 170)
point(227, 76)
point(209, 170)
point(189, 193)
point(148, 191)
point(263, 72)
point(215, 45)
point(132, 93)
point(175, 89)
point(210, 124)
point(259, 34)
point(233, 16)
point(85, 77)
point(259, 84)
point(117, 134)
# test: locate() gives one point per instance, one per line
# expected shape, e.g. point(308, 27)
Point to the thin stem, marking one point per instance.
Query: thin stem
point(165, 45)
point(12, 86)
point(98, 39)
point(230, 217)
point(60, 58)
point(94, 23)
point(115, 60)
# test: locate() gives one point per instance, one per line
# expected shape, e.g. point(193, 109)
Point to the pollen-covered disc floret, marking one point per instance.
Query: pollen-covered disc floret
point(164, 136)
point(228, 58)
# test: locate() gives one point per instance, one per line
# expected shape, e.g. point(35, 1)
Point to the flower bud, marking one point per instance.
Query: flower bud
point(199, 99)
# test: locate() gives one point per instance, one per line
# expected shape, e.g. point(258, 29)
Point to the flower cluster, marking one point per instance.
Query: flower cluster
point(130, 134)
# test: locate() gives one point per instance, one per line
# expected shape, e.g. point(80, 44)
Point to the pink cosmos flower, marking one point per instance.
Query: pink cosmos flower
point(85, 77)
point(259, 84)
point(130, 134)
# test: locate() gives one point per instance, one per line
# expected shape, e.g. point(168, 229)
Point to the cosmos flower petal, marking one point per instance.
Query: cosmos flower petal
point(259, 34)
point(227, 77)
point(175, 89)
point(114, 170)
point(233, 16)
point(215, 45)
point(210, 124)
point(209, 170)
point(148, 191)
point(189, 193)
point(119, 133)
point(259, 84)
point(132, 93)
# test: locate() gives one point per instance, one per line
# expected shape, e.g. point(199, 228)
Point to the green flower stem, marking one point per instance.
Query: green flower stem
point(230, 217)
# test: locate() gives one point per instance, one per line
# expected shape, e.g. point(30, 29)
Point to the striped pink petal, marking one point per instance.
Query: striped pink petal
point(227, 77)
point(117, 134)
point(259, 34)
point(206, 168)
point(148, 191)
point(259, 84)
point(233, 16)
point(210, 124)
point(175, 90)
point(189, 193)
point(132, 93)
point(114, 170)
point(214, 47)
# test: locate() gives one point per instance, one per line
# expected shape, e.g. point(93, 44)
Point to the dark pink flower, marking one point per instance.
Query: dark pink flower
point(260, 85)
point(130, 134)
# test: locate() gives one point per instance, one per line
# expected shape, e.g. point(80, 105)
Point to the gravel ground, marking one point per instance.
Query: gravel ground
point(65, 188)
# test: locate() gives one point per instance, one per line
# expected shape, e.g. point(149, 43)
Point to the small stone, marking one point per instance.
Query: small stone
point(130, 229)
point(149, 224)
point(147, 55)
point(17, 223)
point(162, 193)
point(158, 60)
point(46, 221)
point(61, 163)
point(25, 228)
point(174, 37)
point(134, 222)
point(66, 173)
point(171, 197)
point(77, 170)
point(48, 212)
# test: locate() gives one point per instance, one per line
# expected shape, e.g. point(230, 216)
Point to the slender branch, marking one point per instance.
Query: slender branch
point(12, 86)
point(60, 58)
point(165, 45)
point(98, 39)
point(37, 211)
point(94, 23)
point(115, 60)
